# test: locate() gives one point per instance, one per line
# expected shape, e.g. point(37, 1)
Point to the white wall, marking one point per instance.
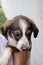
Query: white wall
point(34, 10)
point(0, 2)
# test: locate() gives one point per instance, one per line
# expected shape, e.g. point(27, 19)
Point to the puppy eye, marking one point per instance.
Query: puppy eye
point(17, 34)
point(28, 31)
point(28, 34)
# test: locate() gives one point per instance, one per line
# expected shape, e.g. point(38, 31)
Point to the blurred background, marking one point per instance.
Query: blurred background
point(2, 16)
point(32, 9)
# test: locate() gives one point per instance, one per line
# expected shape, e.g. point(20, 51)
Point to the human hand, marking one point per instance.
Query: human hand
point(20, 58)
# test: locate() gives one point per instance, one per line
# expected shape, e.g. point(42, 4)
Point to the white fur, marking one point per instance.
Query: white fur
point(23, 41)
point(23, 25)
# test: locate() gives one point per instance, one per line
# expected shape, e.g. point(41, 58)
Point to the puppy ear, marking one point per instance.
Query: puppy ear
point(34, 29)
point(5, 26)
point(4, 31)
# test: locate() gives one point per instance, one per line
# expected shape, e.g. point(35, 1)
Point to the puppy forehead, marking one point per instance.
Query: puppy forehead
point(20, 23)
point(23, 25)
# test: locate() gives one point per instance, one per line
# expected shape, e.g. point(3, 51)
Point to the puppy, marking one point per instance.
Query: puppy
point(18, 31)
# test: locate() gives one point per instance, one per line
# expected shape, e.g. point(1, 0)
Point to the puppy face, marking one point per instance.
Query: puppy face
point(18, 32)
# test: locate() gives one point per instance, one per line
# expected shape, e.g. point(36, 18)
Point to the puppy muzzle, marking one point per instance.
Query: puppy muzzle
point(23, 45)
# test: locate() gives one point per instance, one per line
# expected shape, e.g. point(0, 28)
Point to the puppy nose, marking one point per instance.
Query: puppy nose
point(24, 48)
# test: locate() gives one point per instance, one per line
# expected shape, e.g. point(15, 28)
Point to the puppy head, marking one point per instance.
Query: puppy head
point(18, 31)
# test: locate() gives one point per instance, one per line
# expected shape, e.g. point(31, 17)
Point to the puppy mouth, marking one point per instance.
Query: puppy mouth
point(23, 49)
